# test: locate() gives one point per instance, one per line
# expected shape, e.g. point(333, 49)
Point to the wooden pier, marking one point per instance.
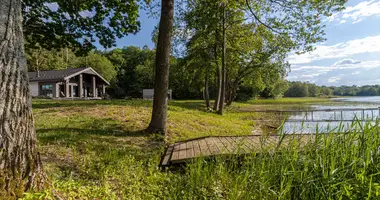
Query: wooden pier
point(183, 151)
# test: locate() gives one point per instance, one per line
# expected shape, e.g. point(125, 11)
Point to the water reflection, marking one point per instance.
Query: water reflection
point(339, 119)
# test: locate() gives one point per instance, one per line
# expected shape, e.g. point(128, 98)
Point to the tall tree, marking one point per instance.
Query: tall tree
point(20, 164)
point(160, 99)
point(49, 24)
point(224, 70)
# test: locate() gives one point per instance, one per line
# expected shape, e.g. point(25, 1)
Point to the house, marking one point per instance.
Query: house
point(68, 83)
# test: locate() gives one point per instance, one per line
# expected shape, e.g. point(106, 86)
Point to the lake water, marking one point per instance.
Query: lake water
point(333, 121)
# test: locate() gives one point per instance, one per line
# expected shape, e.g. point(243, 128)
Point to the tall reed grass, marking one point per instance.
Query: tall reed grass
point(334, 165)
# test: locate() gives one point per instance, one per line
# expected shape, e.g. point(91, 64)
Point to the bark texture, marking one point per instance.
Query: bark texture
point(160, 99)
point(20, 165)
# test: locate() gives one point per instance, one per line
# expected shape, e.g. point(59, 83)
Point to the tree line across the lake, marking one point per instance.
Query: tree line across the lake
point(306, 89)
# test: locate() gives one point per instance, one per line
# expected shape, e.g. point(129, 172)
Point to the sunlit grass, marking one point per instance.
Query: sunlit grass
point(99, 150)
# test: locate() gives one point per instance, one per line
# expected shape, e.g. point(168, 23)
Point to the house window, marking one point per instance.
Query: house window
point(46, 90)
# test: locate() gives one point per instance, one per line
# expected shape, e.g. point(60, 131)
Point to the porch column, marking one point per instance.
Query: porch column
point(85, 91)
point(72, 91)
point(80, 90)
point(103, 89)
point(67, 88)
point(94, 86)
point(57, 90)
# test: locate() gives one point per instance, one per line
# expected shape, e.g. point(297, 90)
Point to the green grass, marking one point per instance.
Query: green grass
point(98, 150)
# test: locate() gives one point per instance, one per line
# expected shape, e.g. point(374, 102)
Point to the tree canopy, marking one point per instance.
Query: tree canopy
point(54, 24)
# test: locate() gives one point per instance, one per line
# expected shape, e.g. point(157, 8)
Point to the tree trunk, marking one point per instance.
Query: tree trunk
point(206, 92)
point(218, 77)
point(20, 165)
point(160, 99)
point(232, 92)
point(223, 90)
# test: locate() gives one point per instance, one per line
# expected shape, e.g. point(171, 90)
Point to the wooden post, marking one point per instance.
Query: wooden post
point(306, 115)
point(103, 90)
point(67, 88)
point(57, 90)
point(312, 117)
point(80, 90)
point(72, 91)
point(94, 87)
point(363, 115)
point(341, 115)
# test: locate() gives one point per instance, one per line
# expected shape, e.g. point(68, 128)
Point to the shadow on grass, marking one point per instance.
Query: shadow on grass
point(43, 104)
point(99, 132)
point(190, 105)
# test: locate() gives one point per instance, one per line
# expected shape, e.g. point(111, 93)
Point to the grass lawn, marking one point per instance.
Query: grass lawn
point(98, 150)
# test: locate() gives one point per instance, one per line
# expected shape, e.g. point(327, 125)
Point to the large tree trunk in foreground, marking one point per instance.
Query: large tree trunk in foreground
point(160, 103)
point(20, 165)
point(224, 72)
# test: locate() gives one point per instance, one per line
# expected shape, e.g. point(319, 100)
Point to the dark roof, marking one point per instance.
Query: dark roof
point(53, 74)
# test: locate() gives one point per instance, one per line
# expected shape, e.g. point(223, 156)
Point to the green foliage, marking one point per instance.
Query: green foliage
point(43, 59)
point(252, 53)
point(365, 90)
point(297, 24)
point(297, 89)
point(135, 71)
point(54, 24)
point(100, 64)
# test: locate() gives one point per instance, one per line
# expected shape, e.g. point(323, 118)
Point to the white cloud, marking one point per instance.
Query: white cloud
point(362, 10)
point(333, 79)
point(343, 72)
point(340, 50)
point(347, 62)
point(356, 13)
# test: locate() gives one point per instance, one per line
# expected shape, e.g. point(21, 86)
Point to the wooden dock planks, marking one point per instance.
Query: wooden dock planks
point(210, 146)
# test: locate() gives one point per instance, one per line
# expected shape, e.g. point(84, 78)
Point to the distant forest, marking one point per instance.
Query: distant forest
point(306, 89)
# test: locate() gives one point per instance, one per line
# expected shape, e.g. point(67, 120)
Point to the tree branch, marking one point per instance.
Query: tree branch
point(258, 19)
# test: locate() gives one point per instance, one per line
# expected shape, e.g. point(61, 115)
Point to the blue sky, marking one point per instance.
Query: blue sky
point(349, 56)
point(144, 36)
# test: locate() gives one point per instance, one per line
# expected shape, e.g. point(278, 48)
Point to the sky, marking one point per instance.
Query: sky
point(351, 53)
point(349, 56)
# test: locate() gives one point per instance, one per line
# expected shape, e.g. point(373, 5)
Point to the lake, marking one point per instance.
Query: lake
point(334, 120)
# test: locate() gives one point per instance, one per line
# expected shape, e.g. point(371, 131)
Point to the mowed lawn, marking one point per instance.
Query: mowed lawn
point(98, 149)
